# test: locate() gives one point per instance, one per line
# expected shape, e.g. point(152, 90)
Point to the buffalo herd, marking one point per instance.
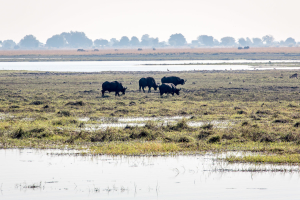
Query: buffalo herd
point(168, 85)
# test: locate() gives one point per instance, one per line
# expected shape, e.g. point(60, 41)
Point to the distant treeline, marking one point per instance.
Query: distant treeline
point(80, 40)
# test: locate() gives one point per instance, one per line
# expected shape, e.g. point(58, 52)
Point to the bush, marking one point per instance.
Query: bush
point(207, 126)
point(214, 139)
point(36, 103)
point(186, 139)
point(64, 113)
point(19, 133)
point(204, 134)
point(182, 124)
point(109, 135)
point(281, 121)
point(77, 103)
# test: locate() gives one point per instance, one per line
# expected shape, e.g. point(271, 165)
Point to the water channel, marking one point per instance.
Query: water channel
point(171, 65)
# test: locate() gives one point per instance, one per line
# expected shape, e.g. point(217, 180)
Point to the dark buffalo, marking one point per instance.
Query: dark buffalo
point(173, 79)
point(168, 88)
point(147, 82)
point(114, 86)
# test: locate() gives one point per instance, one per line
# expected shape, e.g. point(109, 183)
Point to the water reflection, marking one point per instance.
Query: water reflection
point(63, 174)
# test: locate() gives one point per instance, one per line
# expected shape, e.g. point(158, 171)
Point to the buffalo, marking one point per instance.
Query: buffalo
point(294, 75)
point(168, 88)
point(147, 82)
point(114, 86)
point(173, 79)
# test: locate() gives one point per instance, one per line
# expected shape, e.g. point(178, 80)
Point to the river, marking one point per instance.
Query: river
point(99, 66)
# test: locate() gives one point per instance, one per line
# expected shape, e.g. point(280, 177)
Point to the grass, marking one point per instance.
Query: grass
point(260, 108)
point(273, 159)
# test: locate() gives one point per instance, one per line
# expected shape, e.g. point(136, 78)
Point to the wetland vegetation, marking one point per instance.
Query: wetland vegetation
point(260, 108)
point(261, 53)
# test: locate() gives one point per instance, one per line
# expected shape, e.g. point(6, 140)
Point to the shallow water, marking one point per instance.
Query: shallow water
point(62, 174)
point(122, 122)
point(98, 66)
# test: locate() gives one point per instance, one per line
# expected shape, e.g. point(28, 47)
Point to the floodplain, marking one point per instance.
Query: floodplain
point(123, 54)
point(217, 111)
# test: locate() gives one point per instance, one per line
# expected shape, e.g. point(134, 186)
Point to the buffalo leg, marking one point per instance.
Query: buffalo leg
point(149, 90)
point(143, 89)
point(102, 93)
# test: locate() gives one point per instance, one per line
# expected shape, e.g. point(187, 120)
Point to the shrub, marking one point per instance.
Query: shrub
point(182, 124)
point(186, 139)
point(214, 139)
point(64, 113)
point(207, 126)
point(204, 134)
point(19, 133)
point(77, 103)
point(36, 103)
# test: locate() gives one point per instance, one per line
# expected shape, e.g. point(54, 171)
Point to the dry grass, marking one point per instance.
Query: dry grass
point(293, 50)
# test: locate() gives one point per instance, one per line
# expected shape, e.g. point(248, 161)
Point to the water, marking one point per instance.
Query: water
point(62, 174)
point(98, 66)
point(122, 122)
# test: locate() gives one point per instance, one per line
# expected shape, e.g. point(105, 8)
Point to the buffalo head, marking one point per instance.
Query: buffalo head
point(123, 90)
point(182, 82)
point(177, 91)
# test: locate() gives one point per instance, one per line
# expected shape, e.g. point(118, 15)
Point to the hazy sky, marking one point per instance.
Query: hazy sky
point(158, 18)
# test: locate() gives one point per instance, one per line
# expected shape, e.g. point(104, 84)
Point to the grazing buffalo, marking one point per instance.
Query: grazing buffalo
point(168, 88)
point(147, 82)
point(114, 86)
point(294, 75)
point(173, 79)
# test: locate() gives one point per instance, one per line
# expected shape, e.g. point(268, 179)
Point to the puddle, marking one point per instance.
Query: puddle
point(4, 116)
point(141, 121)
point(165, 119)
point(64, 174)
point(94, 127)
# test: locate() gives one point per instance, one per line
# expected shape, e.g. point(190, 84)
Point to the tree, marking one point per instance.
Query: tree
point(228, 41)
point(8, 44)
point(100, 42)
point(177, 40)
point(290, 41)
point(57, 41)
point(257, 41)
point(249, 42)
point(29, 42)
point(134, 41)
point(242, 42)
point(206, 40)
point(124, 41)
point(216, 42)
point(195, 42)
point(268, 39)
point(154, 41)
point(77, 39)
point(148, 41)
point(145, 40)
point(113, 42)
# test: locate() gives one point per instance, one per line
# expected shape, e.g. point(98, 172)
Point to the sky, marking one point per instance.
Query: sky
point(159, 18)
